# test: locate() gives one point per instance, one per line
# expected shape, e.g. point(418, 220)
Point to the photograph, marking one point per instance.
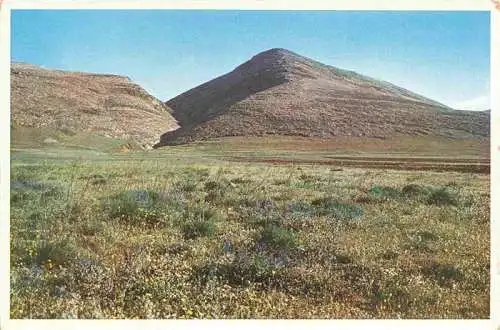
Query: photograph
point(249, 164)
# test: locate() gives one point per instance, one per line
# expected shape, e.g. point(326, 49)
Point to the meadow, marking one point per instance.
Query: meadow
point(195, 232)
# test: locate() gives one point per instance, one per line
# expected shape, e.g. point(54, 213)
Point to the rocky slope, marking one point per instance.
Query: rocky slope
point(278, 92)
point(108, 105)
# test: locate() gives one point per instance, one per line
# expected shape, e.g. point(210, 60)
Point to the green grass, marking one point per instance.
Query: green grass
point(180, 234)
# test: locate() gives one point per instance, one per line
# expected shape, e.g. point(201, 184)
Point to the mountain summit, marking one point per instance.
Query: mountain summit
point(278, 92)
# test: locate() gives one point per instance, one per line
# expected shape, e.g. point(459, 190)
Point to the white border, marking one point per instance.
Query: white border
point(254, 324)
point(459, 5)
point(495, 174)
point(469, 5)
point(4, 163)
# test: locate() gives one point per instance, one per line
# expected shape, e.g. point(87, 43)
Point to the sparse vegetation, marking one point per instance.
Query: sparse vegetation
point(159, 236)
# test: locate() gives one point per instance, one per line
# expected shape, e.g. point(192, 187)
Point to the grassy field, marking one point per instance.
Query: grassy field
point(193, 232)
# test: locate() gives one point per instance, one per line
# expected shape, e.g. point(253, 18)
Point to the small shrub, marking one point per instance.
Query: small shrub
point(20, 197)
point(300, 210)
point(240, 180)
point(426, 236)
point(307, 178)
point(278, 237)
point(336, 209)
point(441, 196)
point(242, 271)
point(51, 193)
point(244, 202)
point(55, 252)
point(214, 197)
point(138, 206)
point(366, 199)
point(444, 274)
point(25, 184)
point(216, 190)
point(176, 249)
point(281, 182)
point(199, 222)
point(212, 185)
point(385, 192)
point(98, 179)
point(389, 255)
point(393, 294)
point(202, 214)
point(189, 186)
point(413, 190)
point(198, 228)
point(266, 205)
point(90, 228)
point(201, 172)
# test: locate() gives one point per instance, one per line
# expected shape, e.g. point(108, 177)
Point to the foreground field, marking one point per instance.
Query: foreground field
point(171, 234)
point(214, 231)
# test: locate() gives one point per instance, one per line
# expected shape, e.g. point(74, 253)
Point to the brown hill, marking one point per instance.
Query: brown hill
point(278, 92)
point(108, 105)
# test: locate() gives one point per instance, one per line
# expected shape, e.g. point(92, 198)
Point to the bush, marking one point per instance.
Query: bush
point(240, 180)
point(336, 209)
point(297, 216)
point(98, 179)
point(30, 190)
point(242, 271)
point(138, 206)
point(199, 222)
point(25, 184)
point(444, 274)
point(308, 178)
point(385, 192)
point(278, 237)
point(189, 186)
point(55, 252)
point(20, 197)
point(198, 228)
point(413, 190)
point(300, 209)
point(440, 196)
point(202, 214)
point(216, 190)
point(214, 185)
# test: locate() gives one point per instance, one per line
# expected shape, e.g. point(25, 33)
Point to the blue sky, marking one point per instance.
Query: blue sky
point(441, 55)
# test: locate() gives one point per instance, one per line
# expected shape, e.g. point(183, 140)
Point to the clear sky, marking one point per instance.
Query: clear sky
point(442, 55)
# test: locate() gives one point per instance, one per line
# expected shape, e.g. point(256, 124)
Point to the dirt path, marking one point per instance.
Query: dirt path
point(415, 164)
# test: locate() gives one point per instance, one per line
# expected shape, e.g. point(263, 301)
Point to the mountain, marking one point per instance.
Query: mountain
point(108, 105)
point(278, 92)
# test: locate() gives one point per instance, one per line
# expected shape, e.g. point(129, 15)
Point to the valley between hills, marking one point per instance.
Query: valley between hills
point(286, 188)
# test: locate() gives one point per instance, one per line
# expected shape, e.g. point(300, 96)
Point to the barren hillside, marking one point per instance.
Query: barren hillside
point(108, 105)
point(278, 92)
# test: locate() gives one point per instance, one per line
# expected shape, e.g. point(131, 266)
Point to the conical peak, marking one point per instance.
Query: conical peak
point(280, 61)
point(276, 53)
